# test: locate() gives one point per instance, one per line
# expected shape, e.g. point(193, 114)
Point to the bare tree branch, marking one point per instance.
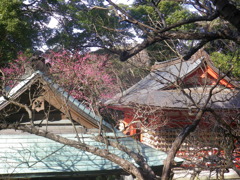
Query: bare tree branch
point(126, 165)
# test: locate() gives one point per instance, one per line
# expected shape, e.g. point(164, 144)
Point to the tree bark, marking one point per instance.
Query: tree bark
point(147, 171)
point(205, 37)
point(228, 11)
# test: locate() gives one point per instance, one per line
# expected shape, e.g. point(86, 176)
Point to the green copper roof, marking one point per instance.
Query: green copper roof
point(31, 155)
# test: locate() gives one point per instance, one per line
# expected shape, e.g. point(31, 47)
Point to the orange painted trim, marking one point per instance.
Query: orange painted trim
point(215, 75)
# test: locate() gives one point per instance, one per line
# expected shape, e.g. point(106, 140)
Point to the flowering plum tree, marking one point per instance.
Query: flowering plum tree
point(86, 77)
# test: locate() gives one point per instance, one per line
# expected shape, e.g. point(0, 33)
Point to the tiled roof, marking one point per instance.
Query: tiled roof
point(152, 90)
point(176, 99)
point(156, 81)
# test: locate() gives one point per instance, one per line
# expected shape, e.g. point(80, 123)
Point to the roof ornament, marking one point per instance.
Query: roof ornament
point(36, 63)
point(38, 104)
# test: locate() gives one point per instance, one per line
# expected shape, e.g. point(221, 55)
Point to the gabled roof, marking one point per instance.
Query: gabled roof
point(25, 155)
point(28, 155)
point(156, 88)
point(62, 95)
point(165, 75)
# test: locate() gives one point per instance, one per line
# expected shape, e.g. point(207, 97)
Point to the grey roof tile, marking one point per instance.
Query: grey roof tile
point(151, 90)
point(157, 80)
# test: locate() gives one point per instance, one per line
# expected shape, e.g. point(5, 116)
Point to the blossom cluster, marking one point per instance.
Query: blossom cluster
point(86, 77)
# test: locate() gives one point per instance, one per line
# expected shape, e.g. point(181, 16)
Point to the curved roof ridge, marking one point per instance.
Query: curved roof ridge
point(162, 64)
point(198, 55)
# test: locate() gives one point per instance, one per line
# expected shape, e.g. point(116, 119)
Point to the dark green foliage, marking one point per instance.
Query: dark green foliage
point(228, 63)
point(85, 24)
point(171, 12)
point(21, 27)
point(82, 27)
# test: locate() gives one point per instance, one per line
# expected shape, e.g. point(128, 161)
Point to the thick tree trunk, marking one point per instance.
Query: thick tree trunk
point(168, 163)
point(228, 11)
point(147, 171)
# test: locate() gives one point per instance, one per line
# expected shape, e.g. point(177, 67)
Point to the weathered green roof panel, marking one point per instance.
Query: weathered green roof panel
point(31, 154)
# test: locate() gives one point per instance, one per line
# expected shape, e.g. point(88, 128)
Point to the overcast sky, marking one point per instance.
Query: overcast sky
point(123, 1)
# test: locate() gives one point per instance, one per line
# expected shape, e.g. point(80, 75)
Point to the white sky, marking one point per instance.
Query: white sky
point(123, 1)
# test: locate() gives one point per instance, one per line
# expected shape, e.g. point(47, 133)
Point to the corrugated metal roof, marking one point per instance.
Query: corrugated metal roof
point(32, 155)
